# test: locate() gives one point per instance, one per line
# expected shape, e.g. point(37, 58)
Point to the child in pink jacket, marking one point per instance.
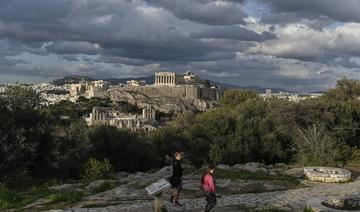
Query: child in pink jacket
point(208, 185)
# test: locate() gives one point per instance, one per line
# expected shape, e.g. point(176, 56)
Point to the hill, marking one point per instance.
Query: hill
point(70, 80)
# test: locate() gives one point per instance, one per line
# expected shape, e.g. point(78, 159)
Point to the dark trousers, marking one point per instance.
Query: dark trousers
point(210, 198)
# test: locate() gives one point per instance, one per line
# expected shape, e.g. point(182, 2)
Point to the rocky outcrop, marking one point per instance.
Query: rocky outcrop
point(64, 187)
point(162, 103)
point(251, 167)
point(98, 183)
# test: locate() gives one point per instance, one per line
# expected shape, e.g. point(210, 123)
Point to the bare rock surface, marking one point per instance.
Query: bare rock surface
point(237, 194)
point(166, 104)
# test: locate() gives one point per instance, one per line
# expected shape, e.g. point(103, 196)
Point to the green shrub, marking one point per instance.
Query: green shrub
point(94, 169)
point(314, 146)
point(66, 196)
point(9, 199)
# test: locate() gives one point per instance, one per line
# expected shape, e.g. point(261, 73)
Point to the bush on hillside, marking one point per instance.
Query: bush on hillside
point(316, 147)
point(95, 169)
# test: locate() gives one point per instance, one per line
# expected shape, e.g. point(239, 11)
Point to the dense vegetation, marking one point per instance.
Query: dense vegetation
point(43, 147)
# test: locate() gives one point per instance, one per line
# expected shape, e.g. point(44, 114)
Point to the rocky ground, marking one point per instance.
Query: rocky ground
point(165, 104)
point(248, 187)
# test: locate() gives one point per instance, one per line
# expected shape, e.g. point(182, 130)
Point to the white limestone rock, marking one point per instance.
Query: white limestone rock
point(64, 187)
point(295, 172)
point(251, 166)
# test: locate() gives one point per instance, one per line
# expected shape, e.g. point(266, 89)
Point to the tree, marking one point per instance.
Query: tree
point(26, 141)
point(234, 97)
point(71, 145)
point(345, 89)
point(21, 99)
point(168, 140)
point(315, 146)
point(126, 151)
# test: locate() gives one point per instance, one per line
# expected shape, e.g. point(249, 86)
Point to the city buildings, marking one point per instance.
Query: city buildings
point(293, 97)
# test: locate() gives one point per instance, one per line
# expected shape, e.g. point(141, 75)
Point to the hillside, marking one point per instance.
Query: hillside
point(165, 104)
point(70, 80)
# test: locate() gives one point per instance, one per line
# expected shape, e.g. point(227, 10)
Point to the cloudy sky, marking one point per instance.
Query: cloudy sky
point(300, 45)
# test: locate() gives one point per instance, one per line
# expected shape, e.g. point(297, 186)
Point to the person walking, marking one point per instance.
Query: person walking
point(176, 178)
point(209, 187)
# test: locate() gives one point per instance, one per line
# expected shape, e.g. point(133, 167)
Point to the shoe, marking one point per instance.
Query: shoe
point(171, 199)
point(178, 204)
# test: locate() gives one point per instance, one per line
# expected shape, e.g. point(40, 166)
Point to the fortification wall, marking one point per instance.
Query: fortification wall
point(177, 92)
point(193, 92)
point(209, 93)
point(158, 91)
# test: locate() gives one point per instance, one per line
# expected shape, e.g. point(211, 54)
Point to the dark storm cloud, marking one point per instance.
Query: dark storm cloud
point(122, 60)
point(130, 29)
point(72, 47)
point(34, 10)
point(205, 11)
point(218, 39)
point(340, 10)
point(6, 62)
point(233, 32)
point(71, 58)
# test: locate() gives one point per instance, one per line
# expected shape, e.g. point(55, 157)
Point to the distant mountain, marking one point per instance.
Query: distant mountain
point(151, 80)
point(70, 80)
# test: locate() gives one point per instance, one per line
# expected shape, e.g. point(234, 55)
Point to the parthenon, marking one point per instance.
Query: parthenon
point(165, 78)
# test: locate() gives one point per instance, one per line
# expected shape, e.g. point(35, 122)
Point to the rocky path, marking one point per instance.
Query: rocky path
point(290, 200)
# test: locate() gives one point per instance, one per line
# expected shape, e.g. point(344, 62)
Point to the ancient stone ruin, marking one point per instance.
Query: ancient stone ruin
point(327, 174)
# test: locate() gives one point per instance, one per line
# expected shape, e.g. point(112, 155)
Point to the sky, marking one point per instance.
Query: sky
point(298, 45)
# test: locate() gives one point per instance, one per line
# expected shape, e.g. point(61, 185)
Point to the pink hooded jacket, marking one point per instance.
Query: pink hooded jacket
point(209, 184)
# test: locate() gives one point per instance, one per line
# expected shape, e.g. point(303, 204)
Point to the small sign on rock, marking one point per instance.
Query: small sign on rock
point(158, 187)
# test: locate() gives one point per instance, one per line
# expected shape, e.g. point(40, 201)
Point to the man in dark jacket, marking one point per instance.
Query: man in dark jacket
point(176, 178)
